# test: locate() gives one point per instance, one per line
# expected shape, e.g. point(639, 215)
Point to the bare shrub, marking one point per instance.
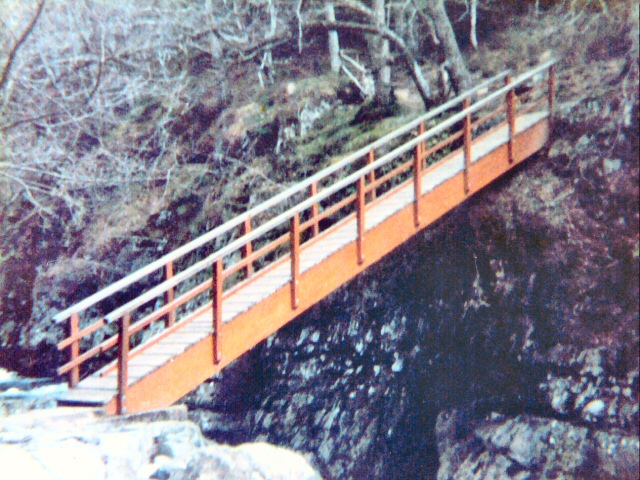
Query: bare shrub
point(94, 98)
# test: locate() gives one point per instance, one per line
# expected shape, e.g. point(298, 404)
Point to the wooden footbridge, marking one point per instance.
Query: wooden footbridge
point(181, 319)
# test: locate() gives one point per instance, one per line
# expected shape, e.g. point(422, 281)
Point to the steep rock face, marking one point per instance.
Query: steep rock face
point(360, 379)
point(321, 385)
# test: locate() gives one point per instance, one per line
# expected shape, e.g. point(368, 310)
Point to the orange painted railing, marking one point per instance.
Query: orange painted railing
point(200, 275)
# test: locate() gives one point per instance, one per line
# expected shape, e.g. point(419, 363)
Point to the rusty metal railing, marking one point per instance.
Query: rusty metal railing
point(332, 195)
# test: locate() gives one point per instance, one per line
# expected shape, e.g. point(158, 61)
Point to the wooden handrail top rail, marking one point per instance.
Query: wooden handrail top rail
point(305, 204)
point(236, 221)
point(285, 216)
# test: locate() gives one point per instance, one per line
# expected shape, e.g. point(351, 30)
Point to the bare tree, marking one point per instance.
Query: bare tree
point(375, 20)
point(450, 52)
point(17, 43)
point(334, 44)
point(380, 54)
point(367, 22)
point(101, 107)
point(473, 20)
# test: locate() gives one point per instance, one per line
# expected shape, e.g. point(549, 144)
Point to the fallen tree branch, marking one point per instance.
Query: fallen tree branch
point(354, 80)
point(266, 44)
point(353, 62)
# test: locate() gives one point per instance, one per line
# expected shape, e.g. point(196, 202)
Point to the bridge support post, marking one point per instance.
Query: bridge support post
point(360, 205)
point(169, 295)
point(294, 233)
point(417, 179)
point(467, 146)
point(248, 248)
point(123, 362)
point(511, 120)
point(216, 306)
point(74, 351)
point(315, 229)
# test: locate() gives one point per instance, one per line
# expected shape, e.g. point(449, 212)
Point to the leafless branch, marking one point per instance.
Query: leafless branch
point(21, 39)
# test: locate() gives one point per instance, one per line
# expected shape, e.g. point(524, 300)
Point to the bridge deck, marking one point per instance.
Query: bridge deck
point(101, 387)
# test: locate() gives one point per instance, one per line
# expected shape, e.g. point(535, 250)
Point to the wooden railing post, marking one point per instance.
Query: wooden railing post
point(423, 147)
point(467, 146)
point(417, 179)
point(371, 176)
point(123, 362)
point(216, 306)
point(511, 119)
point(360, 219)
point(74, 351)
point(295, 258)
point(248, 247)
point(169, 295)
point(315, 229)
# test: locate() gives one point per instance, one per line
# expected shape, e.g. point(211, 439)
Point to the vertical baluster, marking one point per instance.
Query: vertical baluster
point(511, 119)
point(123, 362)
point(169, 295)
point(371, 176)
point(360, 219)
point(315, 228)
point(417, 179)
point(295, 258)
point(216, 307)
point(247, 249)
point(467, 146)
point(423, 148)
point(74, 351)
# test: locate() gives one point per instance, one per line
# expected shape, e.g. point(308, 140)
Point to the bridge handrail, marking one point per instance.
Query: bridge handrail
point(333, 193)
point(321, 195)
point(264, 206)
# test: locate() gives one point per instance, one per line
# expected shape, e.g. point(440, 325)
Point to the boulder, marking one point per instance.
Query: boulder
point(527, 447)
point(82, 444)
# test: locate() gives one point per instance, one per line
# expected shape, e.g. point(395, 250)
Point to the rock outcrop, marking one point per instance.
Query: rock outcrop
point(528, 447)
point(163, 445)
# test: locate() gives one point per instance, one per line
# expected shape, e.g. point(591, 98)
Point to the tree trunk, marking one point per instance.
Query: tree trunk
point(410, 61)
point(473, 7)
point(334, 45)
point(383, 95)
point(459, 75)
point(421, 84)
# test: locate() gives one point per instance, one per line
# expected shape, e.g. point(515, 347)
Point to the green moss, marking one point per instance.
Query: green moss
point(334, 136)
point(371, 132)
point(327, 137)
